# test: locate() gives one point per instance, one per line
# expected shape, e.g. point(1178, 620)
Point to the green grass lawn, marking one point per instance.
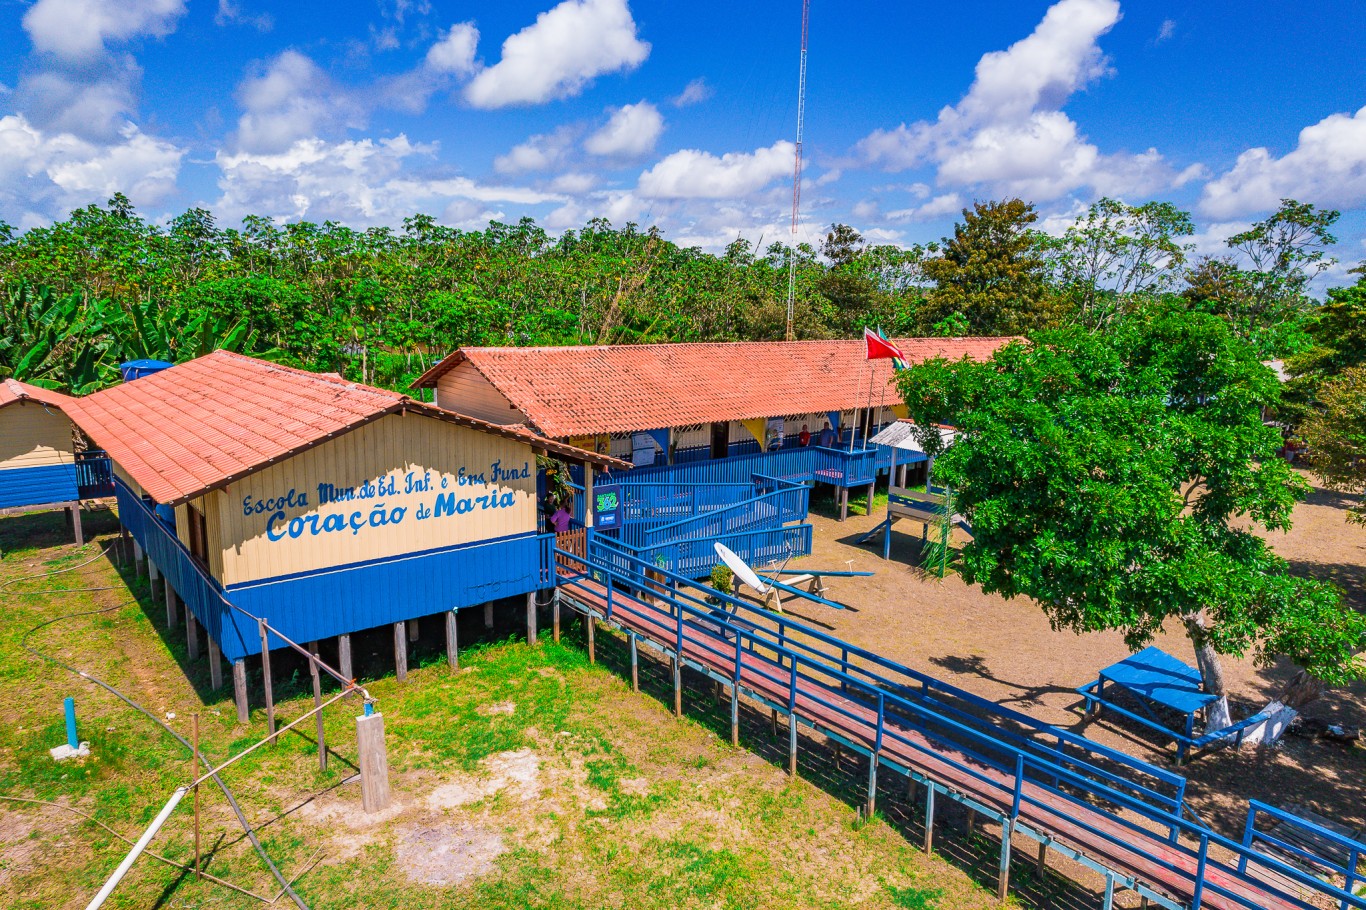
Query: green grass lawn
point(527, 779)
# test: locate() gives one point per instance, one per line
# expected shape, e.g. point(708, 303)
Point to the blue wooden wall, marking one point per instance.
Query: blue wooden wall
point(37, 486)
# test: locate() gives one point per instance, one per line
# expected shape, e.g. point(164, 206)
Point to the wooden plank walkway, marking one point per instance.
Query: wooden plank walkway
point(1134, 856)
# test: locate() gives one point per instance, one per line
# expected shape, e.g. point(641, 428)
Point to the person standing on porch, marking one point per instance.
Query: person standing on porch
point(560, 518)
point(827, 437)
point(804, 437)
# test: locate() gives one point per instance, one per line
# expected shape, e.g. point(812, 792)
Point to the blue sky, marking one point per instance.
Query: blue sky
point(683, 114)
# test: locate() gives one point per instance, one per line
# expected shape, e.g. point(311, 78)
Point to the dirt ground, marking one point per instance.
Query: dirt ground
point(1006, 651)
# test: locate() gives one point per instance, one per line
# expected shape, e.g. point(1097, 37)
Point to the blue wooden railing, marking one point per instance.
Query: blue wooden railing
point(1352, 850)
point(836, 465)
point(762, 512)
point(696, 557)
point(1035, 772)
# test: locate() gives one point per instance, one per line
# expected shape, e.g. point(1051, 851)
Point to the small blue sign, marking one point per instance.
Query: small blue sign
point(607, 507)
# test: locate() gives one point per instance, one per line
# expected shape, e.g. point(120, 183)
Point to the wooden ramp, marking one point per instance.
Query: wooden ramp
point(1093, 805)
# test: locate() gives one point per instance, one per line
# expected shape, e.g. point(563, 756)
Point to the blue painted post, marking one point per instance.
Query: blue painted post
point(1019, 786)
point(71, 740)
point(1199, 894)
point(1350, 878)
point(1248, 829)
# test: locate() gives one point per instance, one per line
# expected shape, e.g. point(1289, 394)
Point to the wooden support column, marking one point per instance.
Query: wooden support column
point(635, 662)
point(414, 629)
point(191, 634)
point(587, 495)
point(344, 657)
point(374, 763)
point(929, 817)
point(531, 617)
point(844, 503)
point(239, 689)
point(590, 624)
point(555, 613)
point(678, 686)
point(123, 546)
point(265, 679)
point(76, 523)
point(1042, 863)
point(872, 488)
point(734, 714)
point(452, 642)
point(400, 654)
point(172, 611)
point(488, 615)
point(153, 576)
point(215, 664)
point(972, 822)
point(872, 787)
point(1003, 870)
point(317, 704)
point(138, 567)
point(792, 744)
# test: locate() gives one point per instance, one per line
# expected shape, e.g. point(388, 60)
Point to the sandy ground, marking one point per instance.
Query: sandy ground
point(1006, 651)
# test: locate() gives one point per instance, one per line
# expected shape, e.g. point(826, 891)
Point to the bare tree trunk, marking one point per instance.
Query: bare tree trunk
point(1301, 690)
point(1211, 671)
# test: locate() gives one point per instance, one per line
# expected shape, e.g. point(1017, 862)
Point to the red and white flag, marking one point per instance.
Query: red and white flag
point(880, 348)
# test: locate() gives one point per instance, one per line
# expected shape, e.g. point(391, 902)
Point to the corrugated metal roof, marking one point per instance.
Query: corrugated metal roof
point(202, 424)
point(577, 391)
point(901, 435)
point(13, 391)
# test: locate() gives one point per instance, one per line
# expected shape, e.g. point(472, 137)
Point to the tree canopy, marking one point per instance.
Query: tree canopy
point(1118, 479)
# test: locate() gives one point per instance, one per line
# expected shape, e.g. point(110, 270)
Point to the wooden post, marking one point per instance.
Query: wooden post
point(172, 613)
point(734, 714)
point(844, 503)
point(215, 664)
point(678, 686)
point(929, 817)
point(76, 523)
point(587, 496)
point(488, 615)
point(555, 613)
point(191, 634)
point(374, 764)
point(872, 787)
point(590, 624)
point(972, 822)
point(153, 576)
point(317, 704)
point(452, 642)
point(414, 629)
point(531, 618)
point(635, 665)
point(1003, 873)
point(792, 744)
point(138, 568)
point(239, 689)
point(265, 679)
point(400, 654)
point(872, 488)
point(1042, 863)
point(123, 546)
point(344, 657)
point(194, 770)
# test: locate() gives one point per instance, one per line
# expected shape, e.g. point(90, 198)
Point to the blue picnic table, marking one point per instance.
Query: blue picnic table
point(1156, 680)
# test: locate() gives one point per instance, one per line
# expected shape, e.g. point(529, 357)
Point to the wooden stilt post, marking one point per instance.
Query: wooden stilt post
point(1042, 861)
point(76, 523)
point(414, 629)
point(123, 546)
point(138, 567)
point(531, 617)
point(191, 635)
point(488, 615)
point(872, 488)
point(844, 503)
point(239, 689)
point(374, 764)
point(344, 657)
point(734, 714)
point(678, 686)
point(400, 654)
point(452, 642)
point(792, 744)
point(590, 624)
point(872, 787)
point(839, 753)
point(972, 822)
point(194, 770)
point(265, 679)
point(555, 613)
point(929, 817)
point(1003, 873)
point(317, 704)
point(773, 722)
point(215, 664)
point(910, 789)
point(635, 662)
point(172, 613)
point(153, 576)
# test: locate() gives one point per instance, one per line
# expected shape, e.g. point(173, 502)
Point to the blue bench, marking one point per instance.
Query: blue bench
point(1155, 681)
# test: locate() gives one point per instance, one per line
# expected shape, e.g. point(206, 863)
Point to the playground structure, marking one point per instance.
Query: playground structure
point(1123, 818)
point(928, 509)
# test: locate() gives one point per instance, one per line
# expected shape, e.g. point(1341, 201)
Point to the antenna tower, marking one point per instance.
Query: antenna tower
point(797, 175)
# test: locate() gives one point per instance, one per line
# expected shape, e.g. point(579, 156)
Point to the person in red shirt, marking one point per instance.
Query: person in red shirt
point(804, 437)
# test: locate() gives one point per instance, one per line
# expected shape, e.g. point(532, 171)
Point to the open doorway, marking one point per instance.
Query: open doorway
point(720, 440)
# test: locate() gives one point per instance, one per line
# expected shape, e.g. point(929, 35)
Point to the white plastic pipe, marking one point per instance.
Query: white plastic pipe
point(151, 832)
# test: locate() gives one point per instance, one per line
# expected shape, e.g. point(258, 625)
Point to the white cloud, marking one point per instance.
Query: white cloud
point(78, 29)
point(1009, 134)
point(694, 174)
point(230, 13)
point(559, 54)
point(541, 152)
point(291, 99)
point(695, 92)
point(938, 207)
point(573, 183)
point(632, 131)
point(363, 182)
point(454, 52)
point(1327, 166)
point(44, 174)
point(1167, 30)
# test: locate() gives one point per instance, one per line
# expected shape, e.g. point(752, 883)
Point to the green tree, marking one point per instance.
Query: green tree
point(1101, 475)
point(1337, 333)
point(1336, 434)
point(990, 272)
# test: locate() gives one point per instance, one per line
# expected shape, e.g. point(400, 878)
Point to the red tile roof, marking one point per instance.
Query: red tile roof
point(577, 391)
point(200, 425)
point(12, 390)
